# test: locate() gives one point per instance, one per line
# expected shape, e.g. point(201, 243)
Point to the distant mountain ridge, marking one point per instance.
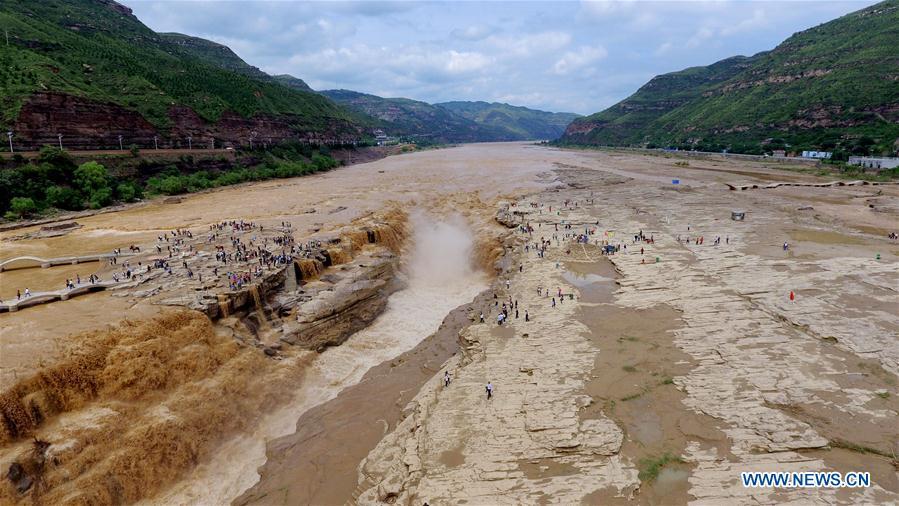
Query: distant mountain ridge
point(415, 119)
point(832, 86)
point(454, 121)
point(522, 122)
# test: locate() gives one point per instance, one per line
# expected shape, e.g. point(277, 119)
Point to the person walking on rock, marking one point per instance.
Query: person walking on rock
point(489, 389)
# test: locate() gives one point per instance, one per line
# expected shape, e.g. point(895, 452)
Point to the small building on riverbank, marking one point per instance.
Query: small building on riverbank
point(874, 163)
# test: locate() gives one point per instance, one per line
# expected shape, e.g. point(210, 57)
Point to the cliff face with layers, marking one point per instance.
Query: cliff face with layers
point(87, 124)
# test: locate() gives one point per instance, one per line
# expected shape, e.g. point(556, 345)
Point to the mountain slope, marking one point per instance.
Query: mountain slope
point(293, 82)
point(90, 70)
point(222, 56)
point(411, 118)
point(522, 122)
point(214, 53)
point(827, 86)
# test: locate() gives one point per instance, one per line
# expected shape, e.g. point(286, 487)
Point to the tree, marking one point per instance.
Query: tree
point(63, 197)
point(172, 185)
point(91, 176)
point(22, 206)
point(57, 157)
point(11, 183)
point(129, 191)
point(101, 197)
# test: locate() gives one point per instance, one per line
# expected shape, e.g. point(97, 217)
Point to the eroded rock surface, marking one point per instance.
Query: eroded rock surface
point(803, 385)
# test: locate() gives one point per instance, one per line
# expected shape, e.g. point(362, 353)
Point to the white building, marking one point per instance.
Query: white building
point(870, 162)
point(816, 154)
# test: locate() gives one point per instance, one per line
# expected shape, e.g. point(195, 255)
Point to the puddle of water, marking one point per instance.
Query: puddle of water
point(671, 480)
point(452, 458)
point(646, 426)
point(594, 280)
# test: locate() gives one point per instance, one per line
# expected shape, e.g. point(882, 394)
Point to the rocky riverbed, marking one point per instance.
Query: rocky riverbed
point(697, 367)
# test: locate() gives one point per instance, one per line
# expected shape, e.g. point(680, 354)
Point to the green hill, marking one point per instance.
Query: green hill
point(404, 117)
point(215, 53)
point(222, 56)
point(522, 122)
point(66, 57)
point(832, 86)
point(293, 82)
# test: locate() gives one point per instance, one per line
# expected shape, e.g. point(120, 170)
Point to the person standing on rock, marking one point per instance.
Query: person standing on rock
point(482, 317)
point(446, 379)
point(489, 390)
point(792, 297)
point(527, 317)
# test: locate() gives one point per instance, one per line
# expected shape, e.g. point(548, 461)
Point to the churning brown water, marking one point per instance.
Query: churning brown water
point(440, 276)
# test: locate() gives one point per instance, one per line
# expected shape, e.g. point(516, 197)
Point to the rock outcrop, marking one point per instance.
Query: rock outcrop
point(332, 308)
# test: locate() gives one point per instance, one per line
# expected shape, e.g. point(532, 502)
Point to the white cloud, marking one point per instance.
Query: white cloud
point(472, 33)
point(466, 62)
point(703, 34)
point(531, 44)
point(402, 67)
point(748, 24)
point(602, 8)
point(575, 60)
point(663, 48)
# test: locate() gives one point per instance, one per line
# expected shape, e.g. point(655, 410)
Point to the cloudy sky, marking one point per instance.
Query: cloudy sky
point(560, 56)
